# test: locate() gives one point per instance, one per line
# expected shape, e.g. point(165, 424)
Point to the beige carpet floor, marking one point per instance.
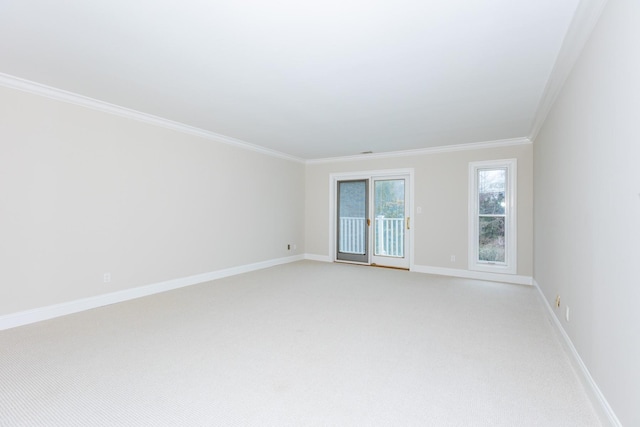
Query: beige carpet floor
point(303, 344)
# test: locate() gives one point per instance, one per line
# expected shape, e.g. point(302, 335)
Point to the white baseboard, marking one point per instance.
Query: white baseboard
point(602, 407)
point(44, 313)
point(321, 258)
point(478, 275)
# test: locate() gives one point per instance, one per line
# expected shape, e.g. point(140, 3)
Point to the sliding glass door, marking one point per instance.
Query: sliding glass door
point(373, 233)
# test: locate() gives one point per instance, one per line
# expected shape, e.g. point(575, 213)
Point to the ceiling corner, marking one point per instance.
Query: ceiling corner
point(584, 21)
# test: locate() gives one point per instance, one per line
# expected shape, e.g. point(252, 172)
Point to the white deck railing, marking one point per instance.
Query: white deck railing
point(352, 235)
point(389, 236)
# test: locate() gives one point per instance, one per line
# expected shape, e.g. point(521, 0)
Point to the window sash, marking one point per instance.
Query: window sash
point(492, 192)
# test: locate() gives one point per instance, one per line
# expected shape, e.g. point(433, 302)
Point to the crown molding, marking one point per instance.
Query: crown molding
point(24, 85)
point(584, 21)
point(426, 151)
point(17, 83)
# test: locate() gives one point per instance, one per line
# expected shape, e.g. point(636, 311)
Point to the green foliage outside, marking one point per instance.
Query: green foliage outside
point(492, 226)
point(389, 198)
point(492, 233)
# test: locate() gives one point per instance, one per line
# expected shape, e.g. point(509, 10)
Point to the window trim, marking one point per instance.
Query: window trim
point(511, 242)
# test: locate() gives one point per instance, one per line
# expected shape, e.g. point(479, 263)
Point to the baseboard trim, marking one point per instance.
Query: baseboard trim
point(49, 312)
point(314, 257)
point(602, 407)
point(478, 275)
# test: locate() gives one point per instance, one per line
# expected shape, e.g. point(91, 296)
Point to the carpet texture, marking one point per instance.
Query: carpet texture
point(302, 344)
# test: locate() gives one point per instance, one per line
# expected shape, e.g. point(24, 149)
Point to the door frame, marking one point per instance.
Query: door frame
point(383, 260)
point(369, 174)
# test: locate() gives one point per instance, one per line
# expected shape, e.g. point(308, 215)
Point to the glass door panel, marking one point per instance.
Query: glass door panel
point(352, 224)
point(390, 222)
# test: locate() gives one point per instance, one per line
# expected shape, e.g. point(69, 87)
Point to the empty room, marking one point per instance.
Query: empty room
point(408, 213)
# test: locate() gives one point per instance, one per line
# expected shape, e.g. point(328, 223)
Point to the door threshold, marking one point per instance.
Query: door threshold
point(365, 264)
point(342, 261)
point(389, 266)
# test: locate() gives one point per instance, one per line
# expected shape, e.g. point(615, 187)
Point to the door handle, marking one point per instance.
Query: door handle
point(368, 222)
point(408, 223)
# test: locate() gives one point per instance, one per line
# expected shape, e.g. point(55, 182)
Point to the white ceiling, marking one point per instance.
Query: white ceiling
point(309, 79)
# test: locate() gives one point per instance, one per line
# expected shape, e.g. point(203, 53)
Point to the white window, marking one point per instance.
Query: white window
point(492, 216)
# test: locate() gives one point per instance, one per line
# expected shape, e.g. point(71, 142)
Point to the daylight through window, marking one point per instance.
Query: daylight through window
point(492, 216)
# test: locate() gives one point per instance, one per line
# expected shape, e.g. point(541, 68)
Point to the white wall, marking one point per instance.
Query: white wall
point(84, 192)
point(441, 190)
point(587, 207)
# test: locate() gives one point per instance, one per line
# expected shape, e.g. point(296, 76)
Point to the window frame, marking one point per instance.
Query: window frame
point(510, 264)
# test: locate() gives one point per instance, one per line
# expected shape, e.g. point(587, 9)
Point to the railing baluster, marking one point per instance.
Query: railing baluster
point(390, 234)
point(352, 233)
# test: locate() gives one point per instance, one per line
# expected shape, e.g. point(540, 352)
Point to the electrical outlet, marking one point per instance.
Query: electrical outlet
point(106, 278)
point(557, 301)
point(566, 314)
point(288, 247)
point(295, 246)
point(453, 258)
